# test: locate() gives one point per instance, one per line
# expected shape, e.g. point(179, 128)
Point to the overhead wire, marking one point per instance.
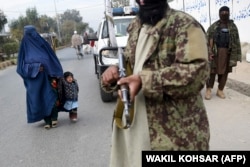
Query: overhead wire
point(52, 11)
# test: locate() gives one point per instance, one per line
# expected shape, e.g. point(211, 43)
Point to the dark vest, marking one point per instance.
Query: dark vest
point(222, 37)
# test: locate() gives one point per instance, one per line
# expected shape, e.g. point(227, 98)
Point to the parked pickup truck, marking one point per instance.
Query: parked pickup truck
point(103, 54)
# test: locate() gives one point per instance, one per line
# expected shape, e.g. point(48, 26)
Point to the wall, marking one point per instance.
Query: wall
point(206, 12)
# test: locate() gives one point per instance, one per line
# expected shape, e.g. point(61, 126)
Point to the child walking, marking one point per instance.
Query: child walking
point(68, 94)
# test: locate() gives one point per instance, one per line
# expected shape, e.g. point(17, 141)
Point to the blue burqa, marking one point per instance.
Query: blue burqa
point(34, 53)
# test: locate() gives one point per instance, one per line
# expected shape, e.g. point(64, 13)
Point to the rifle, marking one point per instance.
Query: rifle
point(124, 88)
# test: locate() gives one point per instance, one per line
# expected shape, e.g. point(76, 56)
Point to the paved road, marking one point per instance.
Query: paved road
point(87, 142)
point(229, 121)
point(82, 144)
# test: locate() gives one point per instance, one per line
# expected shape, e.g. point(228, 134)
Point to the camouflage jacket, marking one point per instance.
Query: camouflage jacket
point(234, 41)
point(175, 71)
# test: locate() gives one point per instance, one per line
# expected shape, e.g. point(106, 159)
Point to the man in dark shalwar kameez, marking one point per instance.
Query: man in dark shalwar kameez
point(224, 51)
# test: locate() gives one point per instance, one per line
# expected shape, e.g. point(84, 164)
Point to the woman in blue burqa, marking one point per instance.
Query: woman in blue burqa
point(39, 68)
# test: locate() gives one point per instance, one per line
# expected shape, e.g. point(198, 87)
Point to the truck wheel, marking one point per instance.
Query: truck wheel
point(106, 97)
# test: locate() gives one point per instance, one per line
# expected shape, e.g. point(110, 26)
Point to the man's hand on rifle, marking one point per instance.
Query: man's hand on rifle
point(110, 75)
point(134, 84)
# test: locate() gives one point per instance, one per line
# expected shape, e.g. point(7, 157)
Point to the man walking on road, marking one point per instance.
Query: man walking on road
point(76, 41)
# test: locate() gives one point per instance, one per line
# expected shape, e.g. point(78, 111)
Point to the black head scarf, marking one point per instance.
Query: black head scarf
point(66, 74)
point(224, 13)
point(151, 11)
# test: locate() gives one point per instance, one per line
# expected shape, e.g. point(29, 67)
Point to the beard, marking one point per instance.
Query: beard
point(151, 13)
point(224, 17)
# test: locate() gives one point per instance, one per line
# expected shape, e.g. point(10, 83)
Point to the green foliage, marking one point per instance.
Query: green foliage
point(32, 17)
point(10, 48)
point(69, 21)
point(3, 20)
point(73, 15)
point(4, 40)
point(47, 24)
point(1, 42)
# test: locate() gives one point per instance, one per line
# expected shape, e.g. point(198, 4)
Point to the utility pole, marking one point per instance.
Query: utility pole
point(57, 21)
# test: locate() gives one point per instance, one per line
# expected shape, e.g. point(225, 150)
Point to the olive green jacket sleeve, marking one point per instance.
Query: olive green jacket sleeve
point(187, 75)
point(177, 63)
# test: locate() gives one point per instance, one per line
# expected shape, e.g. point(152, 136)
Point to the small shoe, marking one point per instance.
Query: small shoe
point(54, 124)
point(73, 116)
point(208, 94)
point(220, 94)
point(47, 126)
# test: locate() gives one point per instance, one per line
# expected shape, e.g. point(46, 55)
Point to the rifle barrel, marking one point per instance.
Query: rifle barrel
point(124, 88)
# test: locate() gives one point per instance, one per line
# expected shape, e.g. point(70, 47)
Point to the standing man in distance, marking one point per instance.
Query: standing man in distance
point(167, 52)
point(224, 51)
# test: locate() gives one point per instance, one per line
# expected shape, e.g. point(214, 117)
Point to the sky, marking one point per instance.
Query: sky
point(92, 11)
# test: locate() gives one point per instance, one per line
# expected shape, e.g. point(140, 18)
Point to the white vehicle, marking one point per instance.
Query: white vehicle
point(104, 55)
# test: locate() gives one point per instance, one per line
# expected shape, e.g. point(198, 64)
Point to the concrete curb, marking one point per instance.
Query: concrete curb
point(238, 86)
point(7, 63)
